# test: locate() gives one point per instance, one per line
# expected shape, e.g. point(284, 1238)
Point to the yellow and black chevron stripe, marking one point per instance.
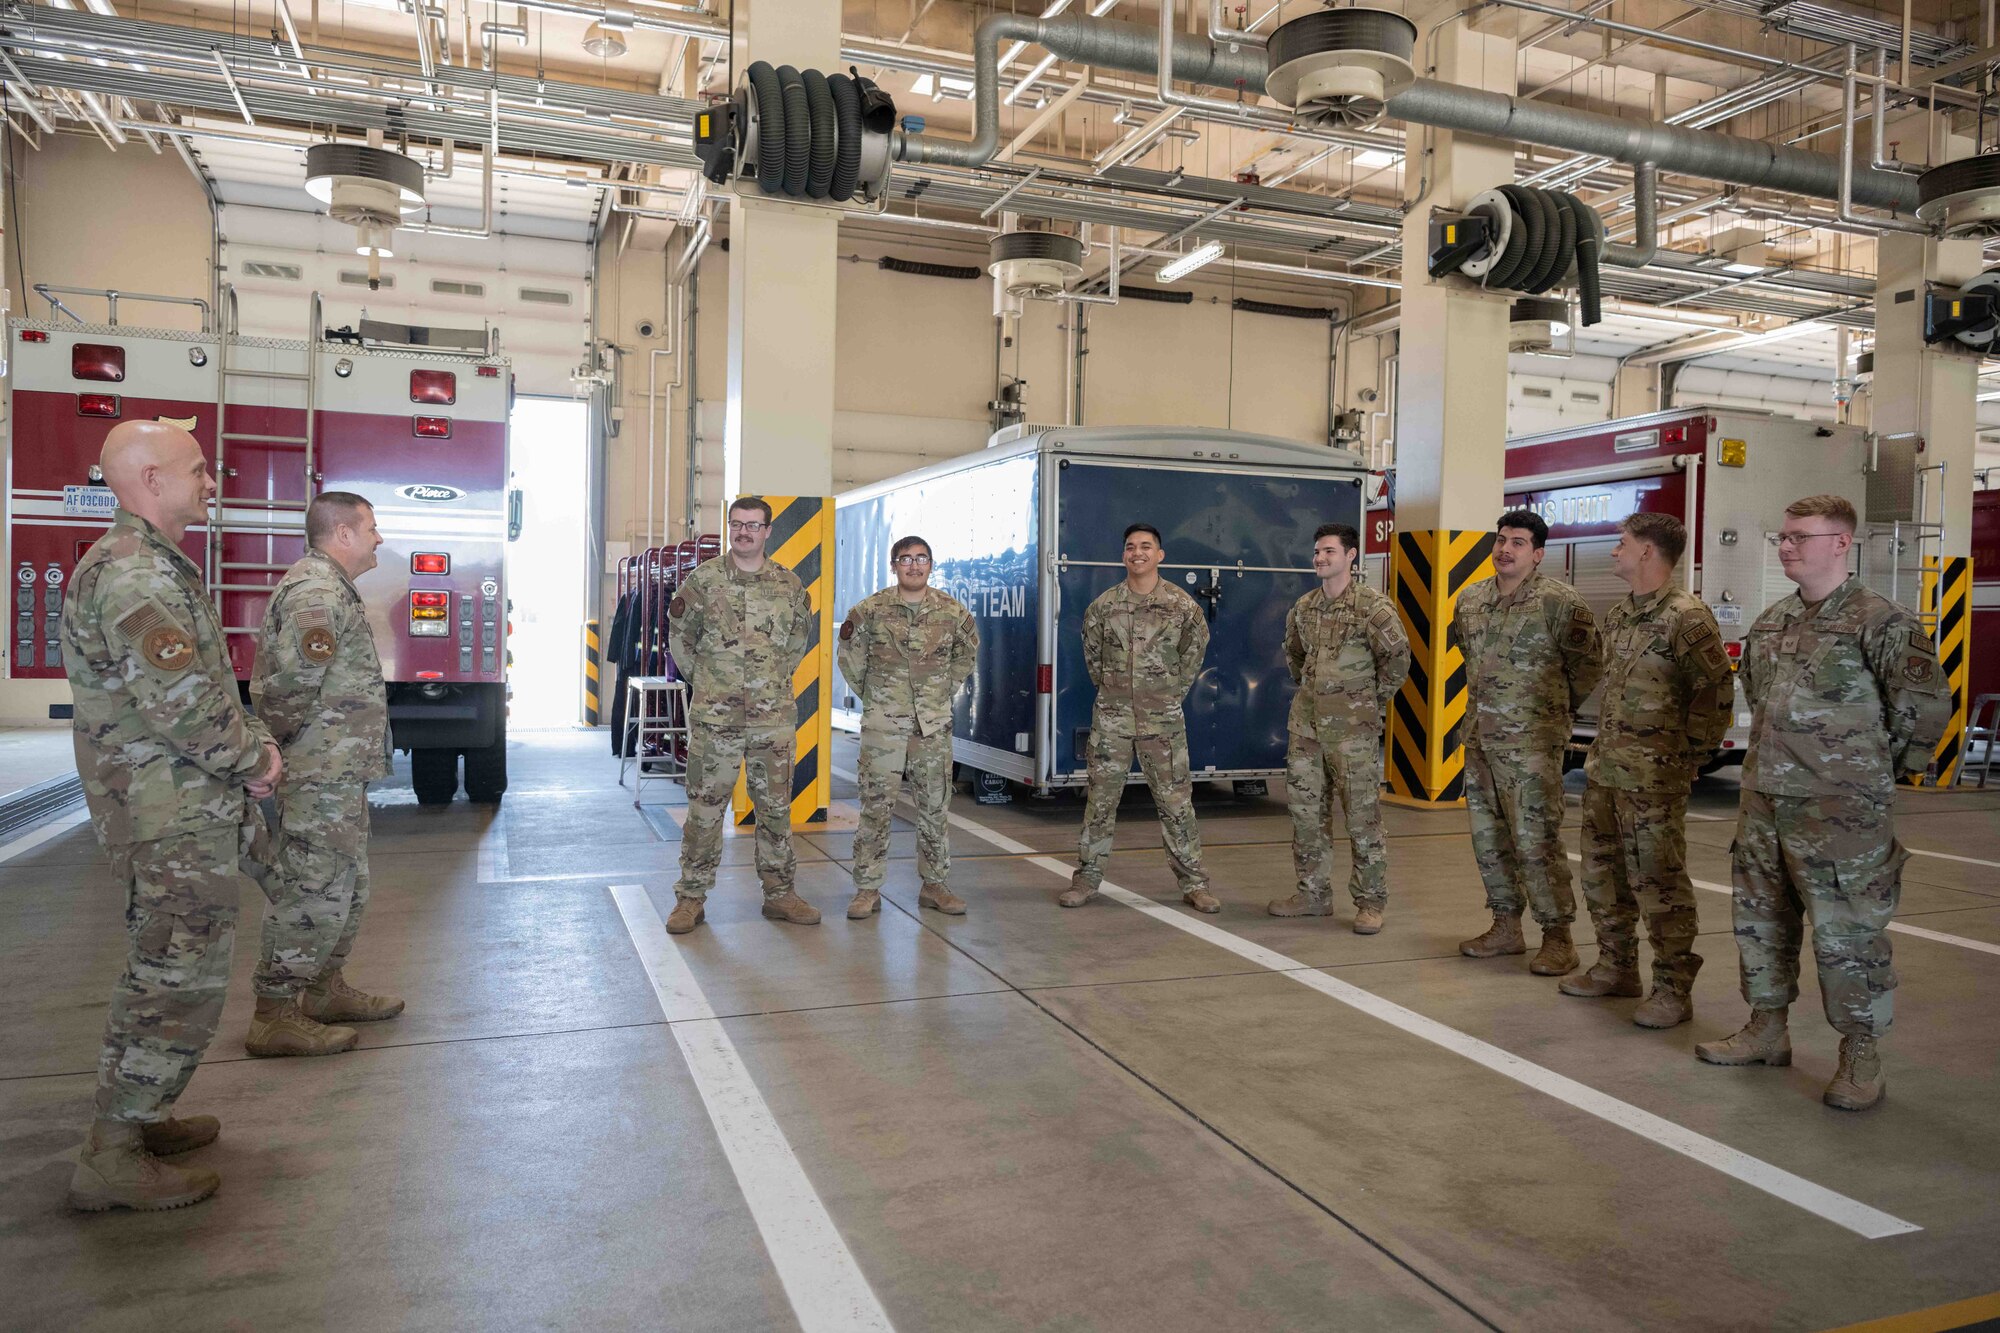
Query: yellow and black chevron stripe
point(1427, 572)
point(802, 541)
point(593, 671)
point(1947, 603)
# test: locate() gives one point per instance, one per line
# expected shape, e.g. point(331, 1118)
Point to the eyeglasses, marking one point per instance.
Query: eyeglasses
point(1792, 539)
point(910, 561)
point(734, 526)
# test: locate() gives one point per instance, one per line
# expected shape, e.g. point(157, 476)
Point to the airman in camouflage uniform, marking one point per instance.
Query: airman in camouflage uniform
point(1531, 656)
point(318, 686)
point(905, 651)
point(1666, 704)
point(171, 768)
point(1345, 648)
point(1143, 644)
point(738, 629)
point(1846, 694)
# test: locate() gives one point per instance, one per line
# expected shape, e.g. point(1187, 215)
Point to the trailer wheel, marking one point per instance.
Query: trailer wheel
point(486, 771)
point(434, 775)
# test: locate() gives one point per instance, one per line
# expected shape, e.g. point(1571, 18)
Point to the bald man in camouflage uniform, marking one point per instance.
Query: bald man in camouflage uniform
point(1666, 704)
point(318, 685)
point(1846, 693)
point(905, 651)
point(1531, 657)
point(172, 767)
point(1347, 653)
point(1143, 644)
point(738, 629)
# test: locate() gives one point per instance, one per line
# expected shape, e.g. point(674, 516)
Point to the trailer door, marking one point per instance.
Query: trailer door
point(1240, 543)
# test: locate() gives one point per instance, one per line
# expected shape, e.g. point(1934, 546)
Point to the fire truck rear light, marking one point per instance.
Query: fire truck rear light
point(1734, 649)
point(427, 613)
point(489, 372)
point(436, 599)
point(97, 361)
point(97, 404)
point(34, 336)
point(1045, 678)
point(430, 675)
point(431, 428)
point(433, 386)
point(430, 562)
point(1675, 435)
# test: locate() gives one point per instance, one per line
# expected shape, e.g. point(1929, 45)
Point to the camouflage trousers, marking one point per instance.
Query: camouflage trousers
point(181, 897)
point(1835, 860)
point(1351, 768)
point(886, 760)
point(1163, 759)
point(715, 755)
point(1515, 800)
point(1635, 859)
point(320, 886)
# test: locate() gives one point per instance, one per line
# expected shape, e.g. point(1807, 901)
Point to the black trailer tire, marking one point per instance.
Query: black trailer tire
point(434, 775)
point(486, 771)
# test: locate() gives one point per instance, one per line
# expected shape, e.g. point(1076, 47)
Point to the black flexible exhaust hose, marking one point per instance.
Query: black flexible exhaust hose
point(770, 127)
point(822, 145)
point(1553, 234)
point(1148, 294)
point(1276, 308)
point(922, 269)
point(798, 129)
point(847, 147)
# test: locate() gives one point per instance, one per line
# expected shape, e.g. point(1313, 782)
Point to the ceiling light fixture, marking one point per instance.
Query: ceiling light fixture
point(1373, 159)
point(1205, 253)
point(603, 42)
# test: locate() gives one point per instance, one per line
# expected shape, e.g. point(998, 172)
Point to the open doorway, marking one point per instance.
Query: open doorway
point(546, 574)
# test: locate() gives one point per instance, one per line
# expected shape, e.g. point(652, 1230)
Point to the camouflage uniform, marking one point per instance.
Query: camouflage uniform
point(1845, 695)
point(163, 747)
point(1530, 659)
point(738, 638)
point(318, 686)
point(1143, 654)
point(1348, 656)
point(905, 663)
point(1667, 699)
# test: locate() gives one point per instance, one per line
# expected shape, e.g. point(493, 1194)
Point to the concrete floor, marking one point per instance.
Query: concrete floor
point(1022, 1118)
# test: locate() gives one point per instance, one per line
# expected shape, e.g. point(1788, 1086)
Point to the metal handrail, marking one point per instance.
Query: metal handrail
point(112, 296)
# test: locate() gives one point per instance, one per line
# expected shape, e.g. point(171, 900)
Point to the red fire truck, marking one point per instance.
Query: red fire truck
point(1983, 671)
point(1726, 473)
point(414, 419)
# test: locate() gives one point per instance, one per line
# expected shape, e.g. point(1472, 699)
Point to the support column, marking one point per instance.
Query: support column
point(1925, 417)
point(1451, 423)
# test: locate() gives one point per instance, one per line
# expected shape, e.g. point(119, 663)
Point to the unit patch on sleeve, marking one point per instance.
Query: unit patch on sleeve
point(317, 644)
point(168, 648)
point(677, 607)
point(1578, 633)
point(846, 629)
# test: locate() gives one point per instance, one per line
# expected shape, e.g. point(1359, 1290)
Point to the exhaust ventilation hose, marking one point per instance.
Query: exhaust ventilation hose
point(1552, 234)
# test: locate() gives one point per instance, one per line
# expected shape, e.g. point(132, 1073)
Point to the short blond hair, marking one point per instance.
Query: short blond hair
point(1834, 507)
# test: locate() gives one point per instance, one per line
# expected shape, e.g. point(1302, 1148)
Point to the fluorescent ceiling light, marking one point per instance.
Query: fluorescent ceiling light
point(1742, 270)
point(924, 85)
point(1373, 158)
point(1205, 253)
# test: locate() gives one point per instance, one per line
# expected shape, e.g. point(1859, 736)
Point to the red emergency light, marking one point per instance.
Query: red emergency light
point(34, 335)
point(430, 675)
point(431, 428)
point(97, 404)
point(430, 562)
point(430, 599)
point(1045, 678)
point(489, 372)
point(1675, 434)
point(1734, 649)
point(97, 361)
point(433, 386)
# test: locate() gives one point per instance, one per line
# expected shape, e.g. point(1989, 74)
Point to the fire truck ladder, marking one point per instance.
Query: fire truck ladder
point(1927, 534)
point(261, 512)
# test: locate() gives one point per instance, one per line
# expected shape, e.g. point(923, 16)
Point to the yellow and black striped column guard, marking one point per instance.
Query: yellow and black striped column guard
point(802, 541)
point(1427, 571)
point(593, 672)
point(1947, 604)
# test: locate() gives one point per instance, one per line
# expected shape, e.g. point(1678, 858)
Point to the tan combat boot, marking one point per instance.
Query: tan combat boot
point(1859, 1083)
point(1503, 936)
point(1201, 900)
point(1557, 954)
point(788, 906)
point(1763, 1040)
point(169, 1137)
point(280, 1027)
point(687, 914)
point(1664, 1008)
point(1605, 978)
point(867, 902)
point(1079, 892)
point(1302, 904)
point(331, 1000)
point(1368, 918)
point(942, 899)
point(114, 1170)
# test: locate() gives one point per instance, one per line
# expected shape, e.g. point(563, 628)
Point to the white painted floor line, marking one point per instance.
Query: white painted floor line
point(1857, 1217)
point(1899, 927)
point(53, 829)
point(494, 863)
point(825, 1286)
point(1914, 851)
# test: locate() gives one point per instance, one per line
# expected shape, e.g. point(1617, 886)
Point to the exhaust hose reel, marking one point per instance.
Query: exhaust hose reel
point(1520, 238)
point(800, 134)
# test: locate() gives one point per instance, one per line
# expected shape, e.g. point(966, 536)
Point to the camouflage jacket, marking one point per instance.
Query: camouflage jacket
point(318, 683)
point(1348, 656)
point(1143, 654)
point(738, 638)
point(905, 662)
point(1530, 659)
point(163, 744)
point(1843, 696)
point(1668, 693)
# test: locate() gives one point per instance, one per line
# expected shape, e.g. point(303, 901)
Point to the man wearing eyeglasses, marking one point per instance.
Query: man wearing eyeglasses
point(905, 651)
point(738, 629)
point(1845, 694)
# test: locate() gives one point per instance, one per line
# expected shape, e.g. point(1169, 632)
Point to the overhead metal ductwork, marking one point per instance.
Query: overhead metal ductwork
point(1340, 66)
point(1039, 265)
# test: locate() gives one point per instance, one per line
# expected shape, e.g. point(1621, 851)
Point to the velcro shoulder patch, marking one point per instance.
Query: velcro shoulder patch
point(316, 644)
point(847, 628)
point(310, 617)
point(677, 607)
point(1697, 633)
point(142, 619)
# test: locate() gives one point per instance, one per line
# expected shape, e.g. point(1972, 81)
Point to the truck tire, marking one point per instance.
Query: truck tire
point(434, 775)
point(486, 771)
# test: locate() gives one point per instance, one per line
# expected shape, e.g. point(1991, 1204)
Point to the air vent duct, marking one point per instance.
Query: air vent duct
point(370, 189)
point(1037, 264)
point(1963, 197)
point(1340, 66)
